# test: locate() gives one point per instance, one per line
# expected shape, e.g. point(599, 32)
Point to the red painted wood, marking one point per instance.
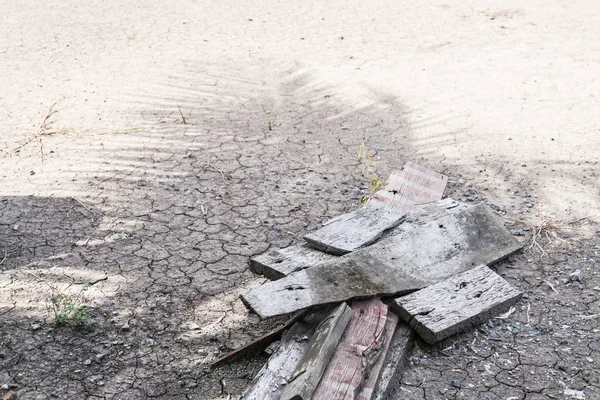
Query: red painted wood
point(357, 353)
point(373, 377)
point(413, 185)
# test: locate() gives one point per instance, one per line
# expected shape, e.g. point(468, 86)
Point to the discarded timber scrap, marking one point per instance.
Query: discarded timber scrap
point(435, 257)
point(413, 185)
point(351, 231)
point(320, 349)
point(353, 370)
point(457, 303)
point(396, 265)
point(347, 232)
point(275, 264)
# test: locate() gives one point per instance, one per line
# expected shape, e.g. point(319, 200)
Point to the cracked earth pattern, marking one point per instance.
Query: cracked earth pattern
point(146, 153)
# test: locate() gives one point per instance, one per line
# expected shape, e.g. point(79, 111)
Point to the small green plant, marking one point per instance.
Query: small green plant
point(133, 230)
point(270, 123)
point(368, 169)
point(67, 310)
point(184, 117)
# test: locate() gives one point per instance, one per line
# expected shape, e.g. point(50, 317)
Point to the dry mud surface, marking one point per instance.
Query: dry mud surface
point(147, 151)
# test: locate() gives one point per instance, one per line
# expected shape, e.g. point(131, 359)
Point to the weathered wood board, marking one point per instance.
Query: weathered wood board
point(271, 380)
point(396, 265)
point(321, 346)
point(354, 230)
point(372, 377)
point(391, 371)
point(413, 185)
point(276, 264)
point(356, 354)
point(457, 303)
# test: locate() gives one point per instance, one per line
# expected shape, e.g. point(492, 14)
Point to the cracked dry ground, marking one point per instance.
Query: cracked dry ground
point(161, 273)
point(150, 222)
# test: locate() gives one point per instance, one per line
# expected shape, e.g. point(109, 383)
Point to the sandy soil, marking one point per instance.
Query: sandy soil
point(147, 151)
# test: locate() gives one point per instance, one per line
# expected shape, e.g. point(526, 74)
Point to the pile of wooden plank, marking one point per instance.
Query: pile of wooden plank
point(365, 283)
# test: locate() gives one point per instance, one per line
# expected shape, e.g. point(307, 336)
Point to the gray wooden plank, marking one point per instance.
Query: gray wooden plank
point(357, 353)
point(351, 231)
point(396, 265)
point(393, 365)
point(320, 349)
point(457, 303)
point(276, 264)
point(271, 380)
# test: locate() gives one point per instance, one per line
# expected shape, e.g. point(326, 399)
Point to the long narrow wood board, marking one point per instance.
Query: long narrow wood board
point(275, 264)
point(396, 265)
point(413, 185)
point(372, 377)
point(457, 303)
point(271, 380)
point(354, 230)
point(356, 354)
point(391, 371)
point(320, 349)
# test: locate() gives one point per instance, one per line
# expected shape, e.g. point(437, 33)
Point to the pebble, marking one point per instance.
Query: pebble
point(99, 356)
point(87, 362)
point(35, 326)
point(456, 384)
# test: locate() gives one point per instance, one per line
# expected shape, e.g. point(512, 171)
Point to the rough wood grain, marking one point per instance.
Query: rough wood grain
point(391, 371)
point(271, 380)
point(10, 396)
point(356, 353)
point(413, 185)
point(457, 304)
point(320, 348)
point(373, 376)
point(354, 230)
point(396, 265)
point(276, 264)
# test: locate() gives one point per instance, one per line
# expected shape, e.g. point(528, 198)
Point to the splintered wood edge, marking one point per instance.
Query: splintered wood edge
point(316, 358)
point(431, 336)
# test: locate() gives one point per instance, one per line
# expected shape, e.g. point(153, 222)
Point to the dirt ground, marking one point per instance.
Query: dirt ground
point(148, 150)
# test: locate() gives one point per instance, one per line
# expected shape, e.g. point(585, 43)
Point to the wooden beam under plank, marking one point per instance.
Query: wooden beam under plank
point(397, 265)
point(457, 304)
point(275, 264)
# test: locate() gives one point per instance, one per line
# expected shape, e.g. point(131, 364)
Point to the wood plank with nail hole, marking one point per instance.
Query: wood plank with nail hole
point(357, 353)
point(457, 303)
point(391, 371)
point(413, 185)
point(354, 230)
point(275, 264)
point(321, 346)
point(396, 265)
point(272, 379)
